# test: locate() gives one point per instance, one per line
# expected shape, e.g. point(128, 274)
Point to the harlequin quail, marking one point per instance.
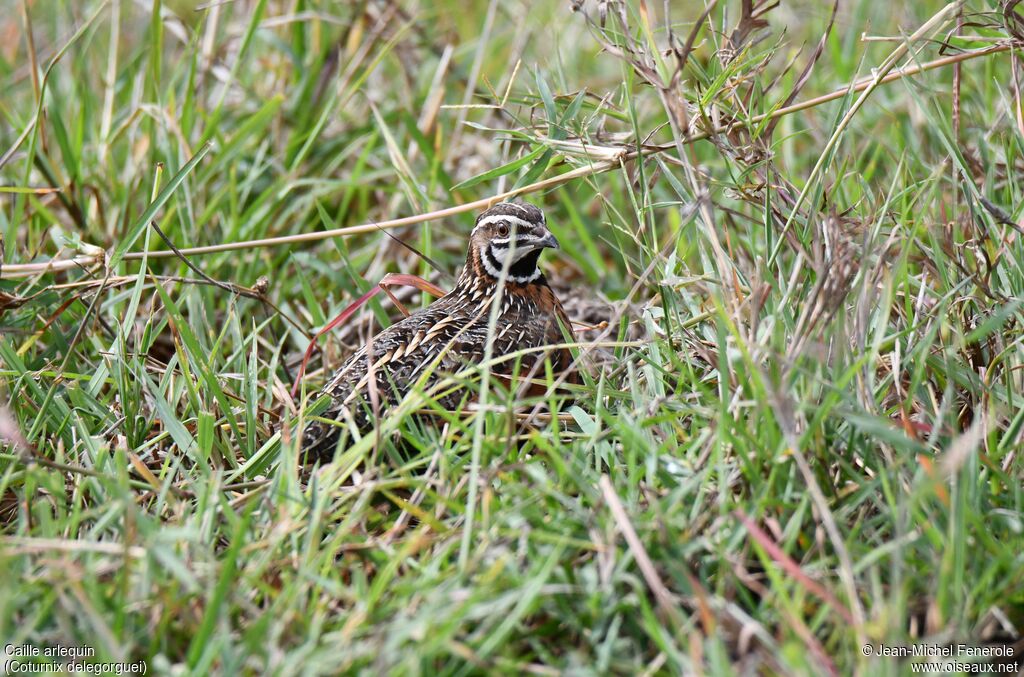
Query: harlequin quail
point(452, 333)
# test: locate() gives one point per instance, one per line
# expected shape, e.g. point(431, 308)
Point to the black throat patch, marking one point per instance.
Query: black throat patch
point(526, 266)
point(523, 269)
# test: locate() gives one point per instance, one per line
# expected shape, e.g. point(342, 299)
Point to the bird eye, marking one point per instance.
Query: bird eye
point(503, 230)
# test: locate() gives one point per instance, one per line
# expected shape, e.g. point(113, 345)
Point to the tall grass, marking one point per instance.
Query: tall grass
point(800, 330)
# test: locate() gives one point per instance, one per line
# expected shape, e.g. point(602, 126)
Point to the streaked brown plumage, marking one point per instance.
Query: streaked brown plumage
point(452, 332)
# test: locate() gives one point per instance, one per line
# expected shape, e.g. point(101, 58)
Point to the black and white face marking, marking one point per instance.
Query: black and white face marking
point(522, 270)
point(517, 243)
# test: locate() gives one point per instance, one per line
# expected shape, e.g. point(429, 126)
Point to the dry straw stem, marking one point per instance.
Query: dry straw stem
point(636, 546)
point(588, 170)
point(18, 270)
point(861, 85)
point(13, 545)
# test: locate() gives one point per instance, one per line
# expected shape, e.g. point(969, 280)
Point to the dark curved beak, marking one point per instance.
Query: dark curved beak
point(546, 240)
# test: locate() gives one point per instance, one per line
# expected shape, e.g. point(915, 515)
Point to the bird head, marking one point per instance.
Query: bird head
point(511, 234)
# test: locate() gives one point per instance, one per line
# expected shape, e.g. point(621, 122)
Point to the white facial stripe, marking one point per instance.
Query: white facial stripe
point(500, 249)
point(524, 279)
point(490, 266)
point(513, 220)
point(520, 252)
point(499, 256)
